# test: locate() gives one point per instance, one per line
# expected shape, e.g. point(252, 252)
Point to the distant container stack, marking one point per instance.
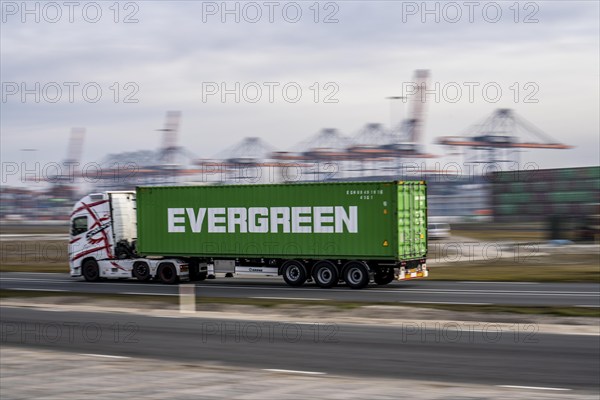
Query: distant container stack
point(570, 194)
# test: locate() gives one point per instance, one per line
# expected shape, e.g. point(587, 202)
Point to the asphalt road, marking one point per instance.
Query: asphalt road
point(418, 291)
point(484, 355)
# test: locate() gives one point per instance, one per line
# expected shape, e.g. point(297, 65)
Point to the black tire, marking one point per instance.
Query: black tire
point(195, 274)
point(90, 270)
point(141, 271)
point(167, 273)
point(325, 274)
point(356, 275)
point(201, 276)
point(294, 273)
point(384, 276)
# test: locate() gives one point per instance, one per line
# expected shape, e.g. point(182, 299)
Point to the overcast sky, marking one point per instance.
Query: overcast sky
point(170, 53)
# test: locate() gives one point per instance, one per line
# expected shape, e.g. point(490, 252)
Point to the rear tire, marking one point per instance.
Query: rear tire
point(167, 273)
point(90, 271)
point(141, 271)
point(384, 276)
point(294, 273)
point(356, 275)
point(201, 276)
point(196, 274)
point(325, 274)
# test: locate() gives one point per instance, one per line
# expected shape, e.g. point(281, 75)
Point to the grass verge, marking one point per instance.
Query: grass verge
point(64, 268)
point(206, 303)
point(591, 312)
point(516, 273)
point(503, 235)
point(84, 298)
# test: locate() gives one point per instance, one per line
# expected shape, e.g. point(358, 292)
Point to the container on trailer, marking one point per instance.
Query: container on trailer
point(350, 220)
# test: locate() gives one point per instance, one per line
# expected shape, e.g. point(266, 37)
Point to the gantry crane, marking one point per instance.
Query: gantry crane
point(62, 184)
point(499, 138)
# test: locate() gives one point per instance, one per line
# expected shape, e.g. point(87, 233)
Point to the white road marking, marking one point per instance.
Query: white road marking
point(399, 290)
point(496, 292)
point(288, 298)
point(588, 305)
point(428, 291)
point(531, 387)
point(291, 371)
point(149, 294)
point(41, 273)
point(33, 236)
point(38, 290)
point(500, 283)
point(35, 280)
point(447, 302)
point(103, 356)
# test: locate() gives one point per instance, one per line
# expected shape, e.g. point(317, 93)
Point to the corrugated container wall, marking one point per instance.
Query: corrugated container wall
point(356, 220)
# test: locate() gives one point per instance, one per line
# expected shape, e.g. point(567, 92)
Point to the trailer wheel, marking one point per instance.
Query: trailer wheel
point(141, 271)
point(294, 273)
point(195, 274)
point(167, 273)
point(201, 276)
point(90, 270)
point(356, 275)
point(383, 276)
point(325, 274)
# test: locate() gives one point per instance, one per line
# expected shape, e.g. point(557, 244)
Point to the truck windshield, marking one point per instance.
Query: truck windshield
point(79, 226)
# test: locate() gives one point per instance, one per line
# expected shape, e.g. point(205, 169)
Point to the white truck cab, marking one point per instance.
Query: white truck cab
point(103, 234)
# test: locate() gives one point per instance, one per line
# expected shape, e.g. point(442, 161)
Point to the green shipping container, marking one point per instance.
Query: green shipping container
point(350, 220)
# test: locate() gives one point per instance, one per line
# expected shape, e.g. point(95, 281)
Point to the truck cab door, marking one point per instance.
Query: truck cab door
point(77, 239)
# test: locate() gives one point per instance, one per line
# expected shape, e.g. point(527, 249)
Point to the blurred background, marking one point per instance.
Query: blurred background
point(493, 104)
point(496, 111)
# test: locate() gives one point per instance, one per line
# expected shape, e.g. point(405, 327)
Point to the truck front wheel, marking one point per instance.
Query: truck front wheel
point(90, 270)
point(167, 273)
point(325, 274)
point(294, 273)
point(356, 275)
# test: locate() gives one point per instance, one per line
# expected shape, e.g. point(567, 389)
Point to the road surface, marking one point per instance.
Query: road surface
point(485, 355)
point(418, 291)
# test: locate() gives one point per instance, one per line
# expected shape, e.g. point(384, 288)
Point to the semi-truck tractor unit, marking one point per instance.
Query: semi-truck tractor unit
point(352, 232)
